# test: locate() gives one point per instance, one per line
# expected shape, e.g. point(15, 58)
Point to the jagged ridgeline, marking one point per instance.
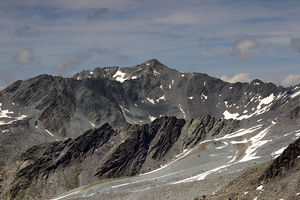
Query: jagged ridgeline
point(60, 133)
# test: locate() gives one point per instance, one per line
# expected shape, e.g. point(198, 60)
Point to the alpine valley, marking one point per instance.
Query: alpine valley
point(148, 132)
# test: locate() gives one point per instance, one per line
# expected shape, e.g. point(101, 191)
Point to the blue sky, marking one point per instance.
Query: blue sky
point(233, 40)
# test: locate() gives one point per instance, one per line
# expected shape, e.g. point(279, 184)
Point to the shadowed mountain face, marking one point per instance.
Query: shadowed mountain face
point(288, 159)
point(115, 119)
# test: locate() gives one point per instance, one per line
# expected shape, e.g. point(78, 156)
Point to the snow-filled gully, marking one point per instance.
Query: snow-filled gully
point(219, 155)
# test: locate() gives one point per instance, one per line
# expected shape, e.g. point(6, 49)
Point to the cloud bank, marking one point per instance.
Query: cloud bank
point(242, 77)
point(291, 79)
point(285, 80)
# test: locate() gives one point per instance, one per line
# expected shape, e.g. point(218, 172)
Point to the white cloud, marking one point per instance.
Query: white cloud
point(24, 57)
point(278, 79)
point(242, 77)
point(244, 46)
point(146, 29)
point(291, 79)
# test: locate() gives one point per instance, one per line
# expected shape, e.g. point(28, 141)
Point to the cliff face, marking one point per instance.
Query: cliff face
point(284, 163)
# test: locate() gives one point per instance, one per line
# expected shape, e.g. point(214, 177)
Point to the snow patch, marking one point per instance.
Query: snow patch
point(295, 94)
point(266, 101)
point(203, 96)
point(278, 152)
point(184, 116)
point(49, 132)
point(6, 114)
point(126, 117)
point(161, 87)
point(119, 76)
point(239, 142)
point(241, 132)
point(226, 103)
point(93, 125)
point(228, 115)
point(221, 147)
point(150, 100)
point(260, 187)
point(162, 98)
point(201, 176)
point(256, 142)
point(155, 73)
point(191, 97)
point(152, 118)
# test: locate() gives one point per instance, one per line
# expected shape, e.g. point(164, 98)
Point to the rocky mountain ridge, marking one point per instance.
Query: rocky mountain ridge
point(103, 153)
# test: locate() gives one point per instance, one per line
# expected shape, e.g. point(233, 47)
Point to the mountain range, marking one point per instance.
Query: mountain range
point(127, 132)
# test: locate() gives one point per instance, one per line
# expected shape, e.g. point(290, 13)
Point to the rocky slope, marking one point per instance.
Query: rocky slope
point(103, 153)
point(276, 180)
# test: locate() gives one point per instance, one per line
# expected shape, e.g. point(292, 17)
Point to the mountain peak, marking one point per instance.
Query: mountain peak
point(153, 61)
